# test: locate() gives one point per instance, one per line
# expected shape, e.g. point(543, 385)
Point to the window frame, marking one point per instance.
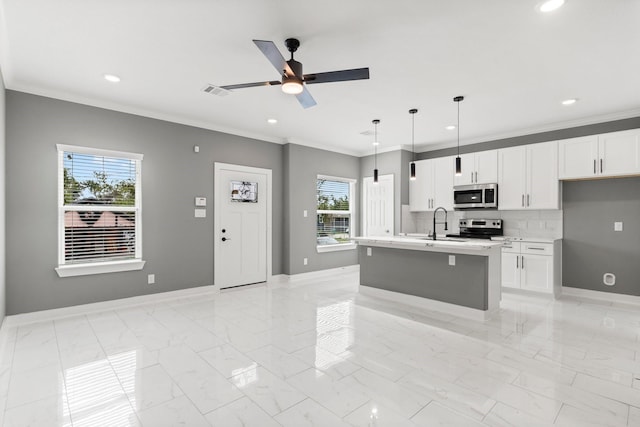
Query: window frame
point(352, 214)
point(98, 267)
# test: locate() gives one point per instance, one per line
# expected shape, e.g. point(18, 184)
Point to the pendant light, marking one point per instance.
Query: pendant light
point(375, 151)
point(458, 159)
point(413, 112)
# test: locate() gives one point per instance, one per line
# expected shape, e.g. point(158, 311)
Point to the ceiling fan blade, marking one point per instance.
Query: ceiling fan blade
point(305, 99)
point(269, 49)
point(243, 85)
point(337, 76)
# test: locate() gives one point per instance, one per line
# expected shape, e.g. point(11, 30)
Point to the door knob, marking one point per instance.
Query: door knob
point(224, 239)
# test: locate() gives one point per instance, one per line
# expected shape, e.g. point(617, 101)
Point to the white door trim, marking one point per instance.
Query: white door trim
point(217, 167)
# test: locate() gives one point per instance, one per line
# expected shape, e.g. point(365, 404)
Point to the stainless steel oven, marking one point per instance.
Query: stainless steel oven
point(477, 196)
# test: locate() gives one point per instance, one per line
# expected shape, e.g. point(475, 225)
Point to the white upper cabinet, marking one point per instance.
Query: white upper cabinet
point(577, 157)
point(478, 168)
point(528, 177)
point(542, 176)
point(419, 195)
point(619, 153)
point(600, 156)
point(444, 169)
point(433, 185)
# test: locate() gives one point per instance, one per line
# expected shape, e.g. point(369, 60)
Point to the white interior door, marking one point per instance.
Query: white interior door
point(377, 209)
point(242, 225)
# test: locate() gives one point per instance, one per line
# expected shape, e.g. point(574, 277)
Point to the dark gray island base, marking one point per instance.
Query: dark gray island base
point(427, 275)
point(401, 270)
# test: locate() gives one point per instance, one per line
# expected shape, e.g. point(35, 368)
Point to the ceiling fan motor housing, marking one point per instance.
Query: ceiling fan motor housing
point(296, 67)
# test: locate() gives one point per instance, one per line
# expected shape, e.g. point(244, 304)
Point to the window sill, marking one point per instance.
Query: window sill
point(99, 268)
point(334, 248)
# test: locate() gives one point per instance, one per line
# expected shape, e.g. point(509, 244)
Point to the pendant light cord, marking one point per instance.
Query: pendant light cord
point(375, 145)
point(413, 135)
point(458, 128)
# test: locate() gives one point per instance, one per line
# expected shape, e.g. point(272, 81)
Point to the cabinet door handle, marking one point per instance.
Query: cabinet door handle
point(523, 200)
point(523, 262)
point(528, 204)
point(594, 166)
point(517, 262)
point(476, 177)
point(600, 165)
point(471, 176)
point(535, 249)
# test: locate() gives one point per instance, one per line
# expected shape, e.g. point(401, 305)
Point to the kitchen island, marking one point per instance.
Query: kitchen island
point(454, 276)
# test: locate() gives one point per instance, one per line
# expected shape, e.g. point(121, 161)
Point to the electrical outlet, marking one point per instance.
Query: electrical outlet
point(305, 261)
point(452, 260)
point(368, 251)
point(151, 279)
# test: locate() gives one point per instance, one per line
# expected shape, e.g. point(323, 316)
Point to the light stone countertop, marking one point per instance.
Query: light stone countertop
point(417, 242)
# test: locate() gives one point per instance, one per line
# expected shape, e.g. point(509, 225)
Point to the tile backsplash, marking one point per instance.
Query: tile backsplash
point(534, 223)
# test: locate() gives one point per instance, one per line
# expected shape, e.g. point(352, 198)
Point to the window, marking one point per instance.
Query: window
point(335, 214)
point(99, 195)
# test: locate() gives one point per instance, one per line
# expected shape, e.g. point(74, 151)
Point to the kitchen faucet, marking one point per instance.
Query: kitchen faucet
point(434, 220)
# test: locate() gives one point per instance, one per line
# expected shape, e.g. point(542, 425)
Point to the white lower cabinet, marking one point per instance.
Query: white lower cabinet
point(532, 266)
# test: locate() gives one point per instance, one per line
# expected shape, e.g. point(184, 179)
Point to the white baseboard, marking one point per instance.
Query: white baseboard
point(76, 310)
point(322, 273)
point(428, 304)
point(599, 295)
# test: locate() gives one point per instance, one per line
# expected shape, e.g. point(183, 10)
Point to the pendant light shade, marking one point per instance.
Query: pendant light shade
point(375, 151)
point(412, 175)
point(457, 99)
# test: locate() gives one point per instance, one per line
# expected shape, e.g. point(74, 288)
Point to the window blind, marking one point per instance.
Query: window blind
point(100, 206)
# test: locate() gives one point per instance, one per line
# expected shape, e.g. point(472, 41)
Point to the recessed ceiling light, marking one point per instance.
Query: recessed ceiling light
point(569, 101)
point(111, 78)
point(450, 127)
point(272, 121)
point(550, 5)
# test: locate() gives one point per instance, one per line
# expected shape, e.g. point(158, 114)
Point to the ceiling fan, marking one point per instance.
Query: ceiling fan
point(293, 81)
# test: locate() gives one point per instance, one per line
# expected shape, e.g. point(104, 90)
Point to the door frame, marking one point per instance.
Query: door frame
point(365, 181)
point(217, 167)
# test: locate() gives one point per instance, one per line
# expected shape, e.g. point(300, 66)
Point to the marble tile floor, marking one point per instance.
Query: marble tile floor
point(313, 352)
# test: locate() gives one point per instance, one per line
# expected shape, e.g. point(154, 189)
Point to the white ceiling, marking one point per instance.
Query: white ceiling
point(513, 64)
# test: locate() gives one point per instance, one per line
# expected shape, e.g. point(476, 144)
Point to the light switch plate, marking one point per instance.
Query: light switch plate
point(200, 213)
point(368, 251)
point(617, 226)
point(305, 213)
point(452, 260)
point(201, 201)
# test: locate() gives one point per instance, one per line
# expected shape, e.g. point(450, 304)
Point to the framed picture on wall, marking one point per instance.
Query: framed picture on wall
point(244, 191)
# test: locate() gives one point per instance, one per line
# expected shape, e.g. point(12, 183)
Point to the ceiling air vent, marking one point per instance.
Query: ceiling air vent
point(215, 90)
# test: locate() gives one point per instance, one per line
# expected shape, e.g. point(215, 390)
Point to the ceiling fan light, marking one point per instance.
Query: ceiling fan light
point(291, 85)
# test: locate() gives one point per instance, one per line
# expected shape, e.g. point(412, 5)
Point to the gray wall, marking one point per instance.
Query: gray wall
point(177, 247)
point(394, 163)
point(613, 126)
point(303, 165)
point(591, 247)
point(3, 282)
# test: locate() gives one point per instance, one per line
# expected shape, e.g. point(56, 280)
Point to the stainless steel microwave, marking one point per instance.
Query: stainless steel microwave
point(477, 196)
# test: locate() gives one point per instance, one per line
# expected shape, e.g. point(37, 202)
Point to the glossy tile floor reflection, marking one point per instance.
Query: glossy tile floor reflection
point(313, 352)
